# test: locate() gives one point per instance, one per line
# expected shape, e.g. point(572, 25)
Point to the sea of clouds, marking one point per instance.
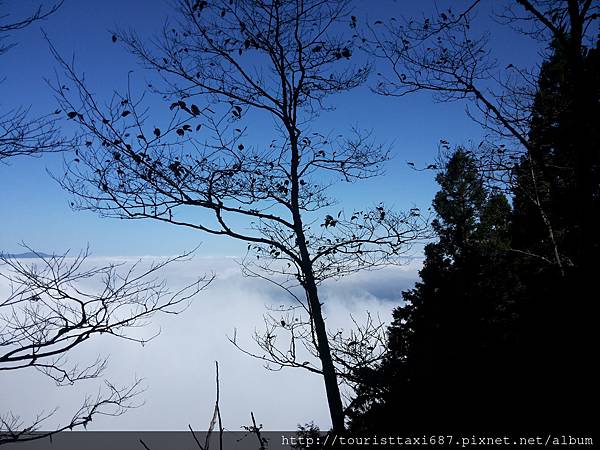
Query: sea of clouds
point(178, 367)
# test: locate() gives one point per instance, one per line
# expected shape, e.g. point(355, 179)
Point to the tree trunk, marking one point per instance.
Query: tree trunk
point(332, 389)
point(334, 399)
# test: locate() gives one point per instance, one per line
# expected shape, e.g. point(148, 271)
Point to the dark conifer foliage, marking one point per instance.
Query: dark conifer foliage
point(446, 341)
point(498, 334)
point(557, 302)
point(565, 157)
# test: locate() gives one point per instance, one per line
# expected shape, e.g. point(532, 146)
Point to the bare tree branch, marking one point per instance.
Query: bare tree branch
point(442, 54)
point(20, 134)
point(221, 66)
point(48, 311)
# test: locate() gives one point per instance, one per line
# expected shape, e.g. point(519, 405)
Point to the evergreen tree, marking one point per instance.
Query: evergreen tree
point(446, 340)
point(501, 322)
point(564, 164)
point(556, 303)
point(496, 324)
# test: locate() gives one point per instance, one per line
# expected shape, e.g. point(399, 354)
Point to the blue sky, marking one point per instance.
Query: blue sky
point(36, 210)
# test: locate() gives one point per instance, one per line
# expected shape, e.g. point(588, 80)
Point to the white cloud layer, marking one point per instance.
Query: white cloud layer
point(178, 366)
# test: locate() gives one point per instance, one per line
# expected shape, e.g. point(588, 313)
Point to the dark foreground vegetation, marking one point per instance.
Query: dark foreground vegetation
point(499, 333)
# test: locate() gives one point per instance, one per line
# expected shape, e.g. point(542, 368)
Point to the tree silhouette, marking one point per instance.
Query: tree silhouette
point(565, 155)
point(48, 312)
point(221, 64)
point(557, 314)
point(528, 281)
point(444, 55)
point(19, 133)
point(446, 343)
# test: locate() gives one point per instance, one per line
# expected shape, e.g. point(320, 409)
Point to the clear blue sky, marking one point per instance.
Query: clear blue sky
point(35, 209)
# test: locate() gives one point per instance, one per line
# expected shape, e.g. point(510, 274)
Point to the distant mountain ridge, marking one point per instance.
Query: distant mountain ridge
point(26, 255)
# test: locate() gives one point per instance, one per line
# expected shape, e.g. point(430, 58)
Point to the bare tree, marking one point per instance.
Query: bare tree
point(20, 134)
point(442, 54)
point(225, 65)
point(289, 340)
point(48, 311)
point(52, 306)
